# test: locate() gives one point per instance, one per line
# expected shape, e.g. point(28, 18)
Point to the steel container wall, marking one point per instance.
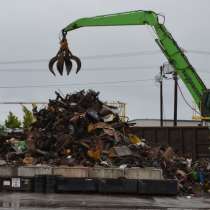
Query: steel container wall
point(185, 140)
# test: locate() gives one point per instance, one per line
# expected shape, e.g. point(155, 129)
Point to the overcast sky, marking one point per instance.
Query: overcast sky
point(30, 29)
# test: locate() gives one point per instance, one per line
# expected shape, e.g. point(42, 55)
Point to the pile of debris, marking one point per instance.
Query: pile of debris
point(79, 129)
point(12, 147)
point(193, 176)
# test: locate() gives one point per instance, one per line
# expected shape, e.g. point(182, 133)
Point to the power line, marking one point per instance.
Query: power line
point(23, 61)
point(103, 56)
point(22, 102)
point(200, 52)
point(111, 86)
point(185, 100)
point(95, 69)
point(108, 68)
point(75, 84)
point(205, 72)
point(123, 54)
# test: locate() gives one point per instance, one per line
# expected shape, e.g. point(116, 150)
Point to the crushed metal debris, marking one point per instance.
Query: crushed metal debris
point(79, 129)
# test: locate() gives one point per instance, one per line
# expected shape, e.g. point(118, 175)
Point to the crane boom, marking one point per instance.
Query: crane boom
point(165, 41)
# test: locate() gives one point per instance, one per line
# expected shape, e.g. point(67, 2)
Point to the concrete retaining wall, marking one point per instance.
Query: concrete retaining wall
point(79, 172)
point(82, 172)
point(8, 171)
point(143, 173)
point(30, 171)
point(106, 173)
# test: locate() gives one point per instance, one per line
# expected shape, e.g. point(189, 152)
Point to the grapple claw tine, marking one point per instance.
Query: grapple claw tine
point(64, 56)
point(60, 65)
point(78, 62)
point(68, 65)
point(51, 63)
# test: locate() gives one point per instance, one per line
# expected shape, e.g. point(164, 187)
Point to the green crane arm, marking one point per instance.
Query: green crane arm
point(165, 41)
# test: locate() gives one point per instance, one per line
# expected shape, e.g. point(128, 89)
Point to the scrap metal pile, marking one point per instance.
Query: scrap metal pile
point(193, 176)
point(12, 147)
point(79, 129)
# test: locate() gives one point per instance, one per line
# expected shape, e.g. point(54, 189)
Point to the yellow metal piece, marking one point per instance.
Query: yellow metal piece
point(199, 117)
point(134, 139)
point(94, 154)
point(90, 127)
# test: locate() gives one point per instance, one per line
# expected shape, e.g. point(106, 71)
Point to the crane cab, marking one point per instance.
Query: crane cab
point(205, 104)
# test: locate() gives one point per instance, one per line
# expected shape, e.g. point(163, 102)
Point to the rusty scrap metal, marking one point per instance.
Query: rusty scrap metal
point(73, 130)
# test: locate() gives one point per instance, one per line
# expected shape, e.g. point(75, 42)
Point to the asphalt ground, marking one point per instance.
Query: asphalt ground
point(34, 201)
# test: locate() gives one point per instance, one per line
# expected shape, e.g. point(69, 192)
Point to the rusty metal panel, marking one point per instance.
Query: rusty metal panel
point(202, 142)
point(189, 137)
point(185, 140)
point(149, 133)
point(203, 151)
point(203, 136)
point(162, 136)
point(175, 139)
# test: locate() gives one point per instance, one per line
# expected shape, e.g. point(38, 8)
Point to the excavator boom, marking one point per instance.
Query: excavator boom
point(165, 41)
point(119, 19)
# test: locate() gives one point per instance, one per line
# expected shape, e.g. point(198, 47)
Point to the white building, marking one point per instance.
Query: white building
point(167, 123)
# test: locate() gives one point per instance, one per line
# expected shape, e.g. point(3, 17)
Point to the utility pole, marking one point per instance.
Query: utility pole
point(175, 97)
point(161, 96)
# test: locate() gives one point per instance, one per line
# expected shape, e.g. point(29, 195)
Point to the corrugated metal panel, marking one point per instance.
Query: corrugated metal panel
point(185, 140)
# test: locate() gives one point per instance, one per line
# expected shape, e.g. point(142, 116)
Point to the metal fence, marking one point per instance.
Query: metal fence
point(185, 140)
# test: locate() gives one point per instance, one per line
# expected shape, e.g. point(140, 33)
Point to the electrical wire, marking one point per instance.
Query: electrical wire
point(200, 52)
point(75, 84)
point(123, 54)
point(104, 56)
point(22, 102)
point(185, 100)
point(23, 61)
point(108, 68)
point(205, 72)
point(95, 69)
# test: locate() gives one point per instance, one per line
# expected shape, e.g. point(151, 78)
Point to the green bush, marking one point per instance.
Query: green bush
point(28, 117)
point(12, 121)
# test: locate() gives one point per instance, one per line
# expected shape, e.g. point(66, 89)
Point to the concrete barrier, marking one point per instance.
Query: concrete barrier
point(8, 171)
point(30, 171)
point(106, 173)
point(74, 172)
point(143, 173)
point(82, 172)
